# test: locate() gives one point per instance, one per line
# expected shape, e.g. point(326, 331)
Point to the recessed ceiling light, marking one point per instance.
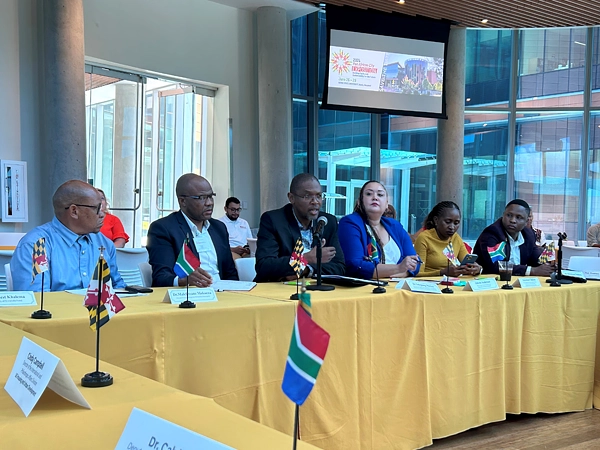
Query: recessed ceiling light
point(401, 2)
point(468, 99)
point(485, 124)
point(484, 21)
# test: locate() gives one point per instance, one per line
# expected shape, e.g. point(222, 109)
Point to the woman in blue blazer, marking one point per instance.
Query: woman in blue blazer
point(366, 229)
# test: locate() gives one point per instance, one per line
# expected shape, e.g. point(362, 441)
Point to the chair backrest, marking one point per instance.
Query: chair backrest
point(9, 241)
point(252, 246)
point(9, 283)
point(583, 263)
point(5, 257)
point(245, 268)
point(569, 252)
point(128, 260)
point(582, 243)
point(146, 271)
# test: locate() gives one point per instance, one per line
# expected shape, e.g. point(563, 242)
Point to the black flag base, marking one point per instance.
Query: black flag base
point(507, 286)
point(447, 290)
point(320, 287)
point(295, 296)
point(379, 290)
point(96, 379)
point(187, 304)
point(41, 314)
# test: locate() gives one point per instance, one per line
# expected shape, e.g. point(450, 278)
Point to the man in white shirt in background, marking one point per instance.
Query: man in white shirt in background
point(238, 229)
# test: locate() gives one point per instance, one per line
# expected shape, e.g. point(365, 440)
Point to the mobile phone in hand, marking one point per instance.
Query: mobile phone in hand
point(469, 259)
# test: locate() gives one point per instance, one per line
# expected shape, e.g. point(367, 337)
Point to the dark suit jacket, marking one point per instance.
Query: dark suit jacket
point(277, 236)
point(165, 239)
point(495, 234)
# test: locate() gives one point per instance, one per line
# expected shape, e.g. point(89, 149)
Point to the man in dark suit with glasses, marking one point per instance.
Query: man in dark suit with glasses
point(280, 229)
point(207, 237)
point(72, 242)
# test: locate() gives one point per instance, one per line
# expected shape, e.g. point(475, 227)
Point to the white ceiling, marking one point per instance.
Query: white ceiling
point(294, 8)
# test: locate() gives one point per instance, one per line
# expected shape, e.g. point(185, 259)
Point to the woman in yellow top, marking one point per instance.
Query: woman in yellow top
point(440, 229)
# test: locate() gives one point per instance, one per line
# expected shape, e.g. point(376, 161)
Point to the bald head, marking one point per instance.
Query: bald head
point(187, 182)
point(72, 192)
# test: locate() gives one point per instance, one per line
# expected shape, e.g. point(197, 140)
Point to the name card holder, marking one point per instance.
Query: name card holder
point(35, 369)
point(17, 298)
point(528, 283)
point(427, 287)
point(146, 431)
point(481, 284)
point(196, 295)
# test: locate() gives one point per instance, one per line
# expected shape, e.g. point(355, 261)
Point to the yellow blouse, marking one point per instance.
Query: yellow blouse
point(431, 250)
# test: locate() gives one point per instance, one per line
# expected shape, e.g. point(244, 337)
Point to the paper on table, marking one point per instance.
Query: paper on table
point(233, 285)
point(120, 293)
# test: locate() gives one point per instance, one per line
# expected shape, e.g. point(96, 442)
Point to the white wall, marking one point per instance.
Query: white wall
point(20, 104)
point(195, 39)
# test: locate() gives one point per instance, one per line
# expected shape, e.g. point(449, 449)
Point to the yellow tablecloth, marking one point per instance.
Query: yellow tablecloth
point(402, 369)
point(57, 423)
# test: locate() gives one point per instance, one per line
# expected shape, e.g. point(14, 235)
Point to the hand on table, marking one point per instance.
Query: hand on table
point(198, 278)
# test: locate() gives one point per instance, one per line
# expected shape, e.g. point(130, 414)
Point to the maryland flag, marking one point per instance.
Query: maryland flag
point(307, 351)
point(40, 262)
point(449, 252)
point(297, 260)
point(109, 303)
point(186, 262)
point(372, 251)
point(549, 253)
point(497, 252)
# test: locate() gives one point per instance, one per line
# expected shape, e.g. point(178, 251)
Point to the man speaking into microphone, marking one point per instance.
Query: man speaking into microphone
point(280, 229)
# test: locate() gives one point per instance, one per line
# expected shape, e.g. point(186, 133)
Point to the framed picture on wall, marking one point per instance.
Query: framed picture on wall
point(14, 191)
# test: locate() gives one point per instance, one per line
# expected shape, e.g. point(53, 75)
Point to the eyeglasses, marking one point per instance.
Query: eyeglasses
point(237, 210)
point(201, 198)
point(96, 207)
point(308, 197)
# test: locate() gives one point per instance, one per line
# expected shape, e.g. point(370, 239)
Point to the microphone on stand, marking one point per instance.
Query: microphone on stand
point(321, 222)
point(558, 279)
point(378, 289)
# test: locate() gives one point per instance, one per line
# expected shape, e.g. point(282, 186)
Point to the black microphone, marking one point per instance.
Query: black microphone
point(321, 222)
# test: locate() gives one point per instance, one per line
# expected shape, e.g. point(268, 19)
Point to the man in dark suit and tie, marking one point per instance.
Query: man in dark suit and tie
point(280, 229)
point(208, 238)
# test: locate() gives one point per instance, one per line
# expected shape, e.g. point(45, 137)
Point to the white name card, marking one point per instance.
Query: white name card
point(146, 431)
point(481, 284)
point(17, 298)
point(196, 295)
point(528, 282)
point(35, 369)
point(428, 287)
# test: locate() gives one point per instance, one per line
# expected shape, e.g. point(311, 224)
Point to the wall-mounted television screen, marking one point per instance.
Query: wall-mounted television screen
point(385, 63)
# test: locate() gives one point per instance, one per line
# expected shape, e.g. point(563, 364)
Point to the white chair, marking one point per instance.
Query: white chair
point(245, 268)
point(252, 246)
point(582, 243)
point(146, 271)
point(5, 257)
point(128, 260)
point(9, 283)
point(585, 263)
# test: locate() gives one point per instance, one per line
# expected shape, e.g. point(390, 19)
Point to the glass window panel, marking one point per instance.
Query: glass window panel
point(300, 135)
point(548, 169)
point(344, 158)
point(299, 55)
point(595, 101)
point(488, 58)
point(407, 167)
point(322, 55)
point(552, 67)
point(593, 179)
point(484, 177)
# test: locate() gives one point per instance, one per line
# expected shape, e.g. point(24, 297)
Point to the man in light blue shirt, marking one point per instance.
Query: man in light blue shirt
point(73, 243)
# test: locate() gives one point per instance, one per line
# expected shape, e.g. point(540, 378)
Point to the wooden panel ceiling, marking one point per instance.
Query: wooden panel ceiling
point(499, 13)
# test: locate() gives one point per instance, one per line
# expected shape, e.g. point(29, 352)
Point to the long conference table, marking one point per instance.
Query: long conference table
point(55, 423)
point(403, 368)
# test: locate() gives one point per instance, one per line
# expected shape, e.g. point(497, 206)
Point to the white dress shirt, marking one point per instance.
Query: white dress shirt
point(239, 231)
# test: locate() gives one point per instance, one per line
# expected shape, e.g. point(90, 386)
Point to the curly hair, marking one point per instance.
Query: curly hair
point(437, 211)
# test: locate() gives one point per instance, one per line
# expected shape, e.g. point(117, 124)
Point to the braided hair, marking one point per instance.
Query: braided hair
point(359, 208)
point(437, 211)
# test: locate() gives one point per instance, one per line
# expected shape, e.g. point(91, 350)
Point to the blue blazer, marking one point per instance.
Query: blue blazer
point(165, 239)
point(354, 242)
